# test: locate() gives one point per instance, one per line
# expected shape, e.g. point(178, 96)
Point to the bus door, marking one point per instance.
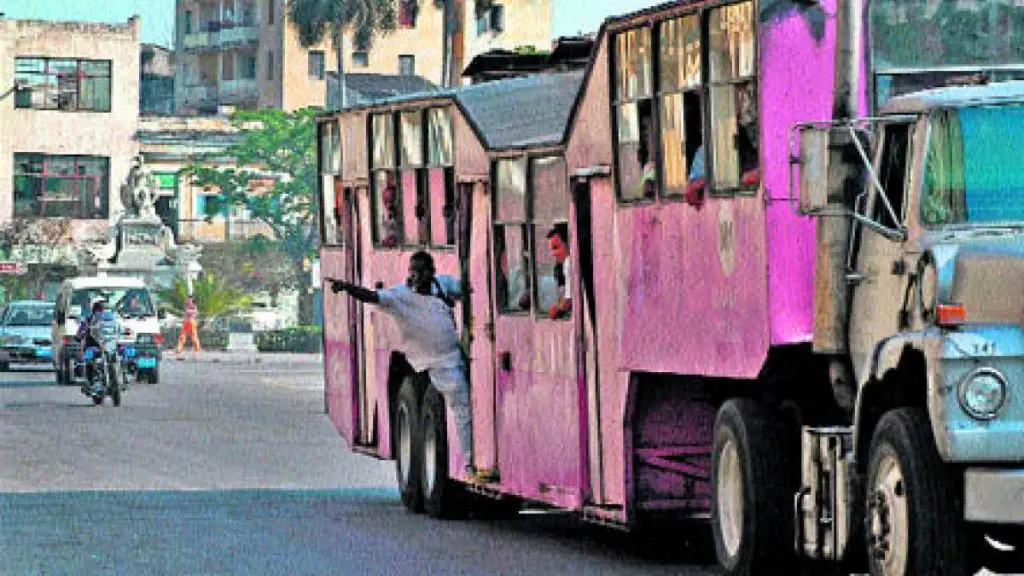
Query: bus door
point(585, 324)
point(342, 336)
point(537, 396)
point(477, 318)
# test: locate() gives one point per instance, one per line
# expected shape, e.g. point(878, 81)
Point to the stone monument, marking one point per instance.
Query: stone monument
point(138, 243)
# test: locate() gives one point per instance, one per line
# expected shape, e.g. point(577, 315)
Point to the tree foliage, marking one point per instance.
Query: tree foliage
point(213, 297)
point(317, 20)
point(277, 147)
point(256, 265)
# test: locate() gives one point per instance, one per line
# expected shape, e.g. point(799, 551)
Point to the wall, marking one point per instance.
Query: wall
point(110, 134)
point(527, 23)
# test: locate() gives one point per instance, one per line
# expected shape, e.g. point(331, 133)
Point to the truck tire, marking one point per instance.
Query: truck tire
point(408, 442)
point(442, 497)
point(754, 476)
point(913, 506)
point(1006, 558)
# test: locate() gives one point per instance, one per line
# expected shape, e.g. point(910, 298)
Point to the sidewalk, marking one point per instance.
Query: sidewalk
point(220, 357)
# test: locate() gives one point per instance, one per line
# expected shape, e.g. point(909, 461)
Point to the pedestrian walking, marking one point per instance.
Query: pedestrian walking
point(190, 327)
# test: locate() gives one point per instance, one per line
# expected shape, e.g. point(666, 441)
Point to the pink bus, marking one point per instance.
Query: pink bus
point(686, 380)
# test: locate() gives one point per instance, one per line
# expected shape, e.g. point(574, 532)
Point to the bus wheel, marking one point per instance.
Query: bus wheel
point(408, 444)
point(754, 474)
point(912, 523)
point(442, 497)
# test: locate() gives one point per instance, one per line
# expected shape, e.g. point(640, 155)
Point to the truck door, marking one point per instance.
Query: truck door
point(877, 260)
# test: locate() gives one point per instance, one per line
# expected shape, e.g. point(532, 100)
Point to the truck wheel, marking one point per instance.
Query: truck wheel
point(913, 507)
point(442, 497)
point(408, 442)
point(5, 367)
point(754, 475)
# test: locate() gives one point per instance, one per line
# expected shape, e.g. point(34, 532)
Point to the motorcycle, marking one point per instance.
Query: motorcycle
point(106, 377)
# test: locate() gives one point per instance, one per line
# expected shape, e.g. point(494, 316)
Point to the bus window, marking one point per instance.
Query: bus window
point(414, 179)
point(441, 177)
point(634, 115)
point(733, 98)
point(682, 129)
point(511, 252)
point(549, 191)
point(387, 204)
point(330, 167)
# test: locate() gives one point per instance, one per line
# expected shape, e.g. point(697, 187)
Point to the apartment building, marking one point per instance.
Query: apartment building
point(245, 53)
point(69, 109)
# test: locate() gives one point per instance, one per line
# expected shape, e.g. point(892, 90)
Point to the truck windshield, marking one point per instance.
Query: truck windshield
point(127, 302)
point(973, 174)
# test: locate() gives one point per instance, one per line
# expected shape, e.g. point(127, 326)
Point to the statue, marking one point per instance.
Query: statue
point(137, 191)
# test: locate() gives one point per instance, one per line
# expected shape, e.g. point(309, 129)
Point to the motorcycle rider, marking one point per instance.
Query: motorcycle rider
point(102, 320)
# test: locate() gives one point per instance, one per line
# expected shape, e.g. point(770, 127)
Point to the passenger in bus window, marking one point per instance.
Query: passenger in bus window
point(696, 178)
point(746, 103)
point(646, 156)
point(389, 222)
point(558, 243)
point(423, 310)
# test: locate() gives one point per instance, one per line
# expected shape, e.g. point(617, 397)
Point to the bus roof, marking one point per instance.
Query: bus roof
point(956, 97)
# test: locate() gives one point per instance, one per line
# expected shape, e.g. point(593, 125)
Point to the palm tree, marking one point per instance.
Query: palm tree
point(214, 298)
point(316, 20)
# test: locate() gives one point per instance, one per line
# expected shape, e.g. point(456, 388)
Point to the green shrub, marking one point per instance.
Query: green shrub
point(298, 339)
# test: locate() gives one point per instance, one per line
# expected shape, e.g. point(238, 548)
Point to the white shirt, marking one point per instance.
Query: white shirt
point(427, 324)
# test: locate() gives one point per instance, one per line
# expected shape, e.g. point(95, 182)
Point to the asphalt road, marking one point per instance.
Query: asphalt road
point(232, 468)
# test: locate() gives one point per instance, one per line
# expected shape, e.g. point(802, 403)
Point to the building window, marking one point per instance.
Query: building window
point(188, 21)
point(407, 65)
point(270, 65)
point(248, 68)
point(62, 84)
point(61, 186)
point(491, 19)
point(316, 65)
point(360, 59)
point(407, 12)
point(227, 69)
point(270, 11)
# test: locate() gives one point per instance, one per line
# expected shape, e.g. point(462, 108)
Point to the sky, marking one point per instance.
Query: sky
point(570, 16)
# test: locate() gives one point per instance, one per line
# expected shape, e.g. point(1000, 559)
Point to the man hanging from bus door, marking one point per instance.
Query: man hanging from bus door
point(422, 308)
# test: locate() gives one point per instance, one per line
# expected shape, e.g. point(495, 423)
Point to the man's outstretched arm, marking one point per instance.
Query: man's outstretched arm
point(357, 292)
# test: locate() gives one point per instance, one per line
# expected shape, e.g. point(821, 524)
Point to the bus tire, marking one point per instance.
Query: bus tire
point(408, 442)
point(442, 497)
point(754, 475)
point(908, 480)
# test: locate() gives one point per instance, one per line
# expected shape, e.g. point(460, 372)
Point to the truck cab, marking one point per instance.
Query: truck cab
point(929, 290)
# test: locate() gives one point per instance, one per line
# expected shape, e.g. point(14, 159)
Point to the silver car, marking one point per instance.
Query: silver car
point(25, 333)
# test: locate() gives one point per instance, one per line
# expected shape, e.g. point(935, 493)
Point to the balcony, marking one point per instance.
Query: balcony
point(199, 94)
point(219, 229)
point(238, 91)
point(219, 34)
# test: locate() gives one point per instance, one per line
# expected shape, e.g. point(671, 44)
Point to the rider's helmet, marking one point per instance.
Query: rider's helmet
point(98, 304)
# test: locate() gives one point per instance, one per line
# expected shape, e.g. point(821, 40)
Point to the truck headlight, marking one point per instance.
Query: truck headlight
point(983, 393)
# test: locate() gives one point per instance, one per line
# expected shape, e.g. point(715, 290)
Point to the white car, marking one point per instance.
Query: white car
point(130, 299)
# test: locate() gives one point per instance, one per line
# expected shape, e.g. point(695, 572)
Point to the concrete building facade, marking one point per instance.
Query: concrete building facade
point(246, 53)
point(69, 109)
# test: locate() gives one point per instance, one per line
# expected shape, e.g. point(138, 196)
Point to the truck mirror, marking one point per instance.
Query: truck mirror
point(813, 162)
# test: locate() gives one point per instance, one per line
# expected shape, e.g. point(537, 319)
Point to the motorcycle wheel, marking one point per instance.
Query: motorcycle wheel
point(97, 400)
point(114, 383)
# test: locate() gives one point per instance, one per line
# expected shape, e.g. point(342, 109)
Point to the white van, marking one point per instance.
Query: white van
point(130, 299)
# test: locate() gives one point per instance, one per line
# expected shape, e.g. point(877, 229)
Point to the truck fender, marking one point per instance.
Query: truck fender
point(872, 400)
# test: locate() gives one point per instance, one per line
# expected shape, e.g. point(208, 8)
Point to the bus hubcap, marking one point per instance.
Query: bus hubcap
point(404, 444)
point(429, 459)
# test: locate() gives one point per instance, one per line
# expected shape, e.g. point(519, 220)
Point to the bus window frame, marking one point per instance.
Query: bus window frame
point(339, 240)
point(498, 224)
point(653, 25)
point(449, 175)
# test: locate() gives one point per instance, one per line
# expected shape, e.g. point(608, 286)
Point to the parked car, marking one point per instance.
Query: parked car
point(25, 333)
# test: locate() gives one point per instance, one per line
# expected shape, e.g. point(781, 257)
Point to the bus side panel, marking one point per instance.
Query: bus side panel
point(797, 85)
point(692, 287)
